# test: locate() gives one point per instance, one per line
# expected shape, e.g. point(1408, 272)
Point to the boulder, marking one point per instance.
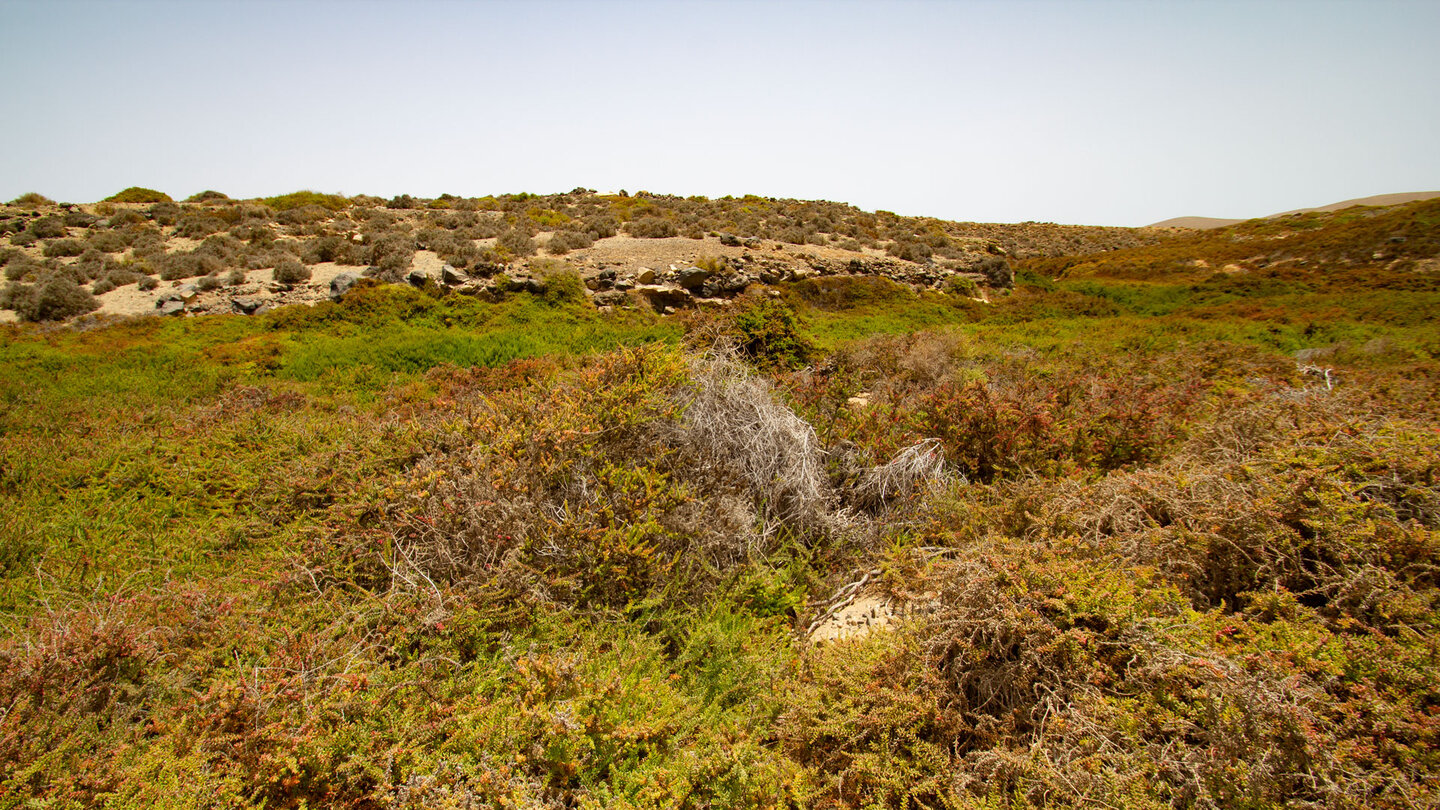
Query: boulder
point(666, 297)
point(730, 240)
point(451, 276)
point(246, 306)
point(170, 306)
point(645, 276)
point(692, 278)
point(341, 284)
point(417, 278)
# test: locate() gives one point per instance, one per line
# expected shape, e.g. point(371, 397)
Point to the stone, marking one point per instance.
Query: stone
point(451, 276)
point(609, 298)
point(692, 278)
point(170, 306)
point(246, 306)
point(645, 276)
point(730, 240)
point(667, 297)
point(341, 284)
point(417, 278)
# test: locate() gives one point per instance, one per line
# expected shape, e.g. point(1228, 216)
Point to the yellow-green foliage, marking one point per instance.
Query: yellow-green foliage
point(137, 194)
point(299, 199)
point(417, 551)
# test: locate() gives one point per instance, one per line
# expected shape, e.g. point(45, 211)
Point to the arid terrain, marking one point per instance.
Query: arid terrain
point(644, 501)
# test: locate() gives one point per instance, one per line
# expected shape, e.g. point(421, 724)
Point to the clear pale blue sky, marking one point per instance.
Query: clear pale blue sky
point(1115, 113)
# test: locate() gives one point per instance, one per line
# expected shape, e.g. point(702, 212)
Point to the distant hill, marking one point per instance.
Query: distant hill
point(1196, 223)
point(1206, 223)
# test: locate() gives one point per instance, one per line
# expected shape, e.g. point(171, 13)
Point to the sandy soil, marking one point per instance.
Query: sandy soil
point(857, 619)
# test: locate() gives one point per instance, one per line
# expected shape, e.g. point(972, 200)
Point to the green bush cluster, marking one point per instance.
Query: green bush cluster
point(139, 194)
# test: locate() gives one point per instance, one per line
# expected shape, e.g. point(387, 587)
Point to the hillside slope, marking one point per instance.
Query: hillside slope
point(1378, 200)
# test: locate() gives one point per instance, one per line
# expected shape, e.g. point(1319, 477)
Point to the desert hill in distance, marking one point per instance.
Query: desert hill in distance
point(1378, 200)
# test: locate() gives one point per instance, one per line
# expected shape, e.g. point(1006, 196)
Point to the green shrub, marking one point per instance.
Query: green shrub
point(767, 332)
point(147, 283)
point(300, 199)
point(207, 196)
point(32, 198)
point(961, 285)
point(138, 194)
point(209, 283)
point(561, 283)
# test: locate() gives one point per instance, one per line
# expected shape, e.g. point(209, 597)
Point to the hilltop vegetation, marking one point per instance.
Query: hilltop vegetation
point(219, 250)
point(1167, 542)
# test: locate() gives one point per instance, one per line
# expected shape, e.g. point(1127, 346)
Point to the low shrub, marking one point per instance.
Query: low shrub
point(49, 227)
point(207, 196)
point(303, 215)
point(163, 213)
point(54, 299)
point(515, 243)
point(391, 255)
point(300, 199)
point(561, 283)
point(961, 285)
point(209, 283)
point(651, 228)
point(562, 242)
point(124, 218)
point(32, 198)
point(767, 332)
point(79, 219)
point(290, 271)
point(64, 248)
point(139, 194)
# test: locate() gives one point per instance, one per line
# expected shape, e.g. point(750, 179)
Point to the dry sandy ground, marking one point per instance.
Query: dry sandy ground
point(627, 253)
point(131, 300)
point(622, 253)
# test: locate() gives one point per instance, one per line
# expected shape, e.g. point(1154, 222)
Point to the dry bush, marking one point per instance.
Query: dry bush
point(1336, 510)
point(641, 473)
point(919, 467)
point(1056, 680)
point(735, 426)
point(391, 255)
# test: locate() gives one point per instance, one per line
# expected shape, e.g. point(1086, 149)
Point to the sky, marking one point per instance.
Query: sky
point(1097, 112)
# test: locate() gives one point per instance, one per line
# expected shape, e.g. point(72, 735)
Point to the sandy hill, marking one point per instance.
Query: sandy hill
point(1206, 223)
